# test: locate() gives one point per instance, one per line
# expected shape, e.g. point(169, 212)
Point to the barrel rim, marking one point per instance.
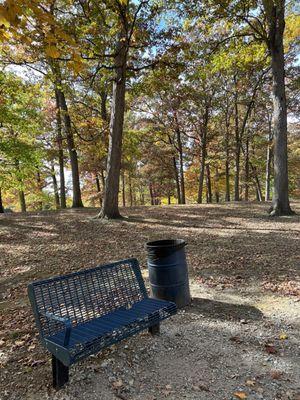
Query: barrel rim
point(166, 243)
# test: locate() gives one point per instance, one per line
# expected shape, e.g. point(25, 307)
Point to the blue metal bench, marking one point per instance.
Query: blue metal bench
point(81, 313)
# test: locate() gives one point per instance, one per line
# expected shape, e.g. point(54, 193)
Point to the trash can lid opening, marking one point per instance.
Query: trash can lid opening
point(166, 243)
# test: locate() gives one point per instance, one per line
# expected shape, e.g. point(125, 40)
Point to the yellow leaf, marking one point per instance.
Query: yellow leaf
point(51, 51)
point(283, 336)
point(240, 395)
point(4, 22)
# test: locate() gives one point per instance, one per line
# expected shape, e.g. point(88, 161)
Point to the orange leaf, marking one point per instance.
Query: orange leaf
point(240, 395)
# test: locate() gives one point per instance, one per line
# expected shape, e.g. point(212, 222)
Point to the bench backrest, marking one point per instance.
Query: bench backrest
point(85, 295)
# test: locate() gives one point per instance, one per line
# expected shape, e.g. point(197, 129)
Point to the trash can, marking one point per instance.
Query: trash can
point(168, 272)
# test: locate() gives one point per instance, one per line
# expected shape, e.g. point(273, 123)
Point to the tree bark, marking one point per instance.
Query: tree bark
point(227, 162)
point(237, 146)
point(216, 185)
point(151, 194)
point(208, 184)
point(123, 190)
point(22, 200)
point(275, 11)
point(258, 188)
point(40, 188)
point(176, 175)
point(269, 162)
point(130, 191)
point(181, 167)
point(97, 180)
point(247, 170)
point(55, 187)
point(110, 208)
point(59, 140)
point(77, 202)
point(203, 139)
point(103, 96)
point(202, 172)
point(1, 203)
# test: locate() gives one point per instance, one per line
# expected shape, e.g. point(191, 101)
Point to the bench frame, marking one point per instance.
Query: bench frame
point(60, 365)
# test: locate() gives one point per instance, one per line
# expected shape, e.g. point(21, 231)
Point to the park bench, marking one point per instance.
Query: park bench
point(83, 312)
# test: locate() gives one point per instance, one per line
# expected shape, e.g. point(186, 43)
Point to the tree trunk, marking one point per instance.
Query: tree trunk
point(216, 185)
point(55, 187)
point(130, 191)
point(22, 200)
point(203, 140)
point(98, 189)
point(151, 194)
point(247, 170)
point(258, 189)
point(177, 181)
point(227, 167)
point(123, 189)
point(276, 24)
point(268, 172)
point(110, 208)
point(1, 203)
point(181, 168)
point(103, 96)
point(237, 147)
point(201, 175)
point(208, 184)
point(40, 188)
point(77, 202)
point(59, 140)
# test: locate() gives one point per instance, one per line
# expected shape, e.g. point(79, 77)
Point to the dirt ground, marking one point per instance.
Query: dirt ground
point(240, 338)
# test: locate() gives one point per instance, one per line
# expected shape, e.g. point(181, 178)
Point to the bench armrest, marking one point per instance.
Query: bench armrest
point(63, 320)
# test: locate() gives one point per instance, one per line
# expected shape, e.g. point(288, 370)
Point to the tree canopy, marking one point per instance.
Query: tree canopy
point(118, 102)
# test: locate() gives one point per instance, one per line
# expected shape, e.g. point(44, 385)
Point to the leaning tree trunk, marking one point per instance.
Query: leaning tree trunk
point(1, 203)
point(275, 18)
point(110, 208)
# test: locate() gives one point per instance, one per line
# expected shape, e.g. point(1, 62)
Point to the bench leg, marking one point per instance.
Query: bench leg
point(154, 329)
point(60, 373)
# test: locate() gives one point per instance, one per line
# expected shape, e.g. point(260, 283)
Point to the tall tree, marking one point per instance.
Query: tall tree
point(275, 17)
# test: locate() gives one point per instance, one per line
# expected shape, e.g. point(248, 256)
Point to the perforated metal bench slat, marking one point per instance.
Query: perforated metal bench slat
point(104, 325)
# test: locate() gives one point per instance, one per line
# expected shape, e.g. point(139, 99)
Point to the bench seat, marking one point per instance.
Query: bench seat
point(108, 329)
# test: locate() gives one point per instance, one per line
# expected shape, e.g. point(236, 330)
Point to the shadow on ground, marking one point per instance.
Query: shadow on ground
point(224, 311)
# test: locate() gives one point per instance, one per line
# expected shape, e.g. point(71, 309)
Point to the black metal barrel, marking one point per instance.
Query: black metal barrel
point(168, 272)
